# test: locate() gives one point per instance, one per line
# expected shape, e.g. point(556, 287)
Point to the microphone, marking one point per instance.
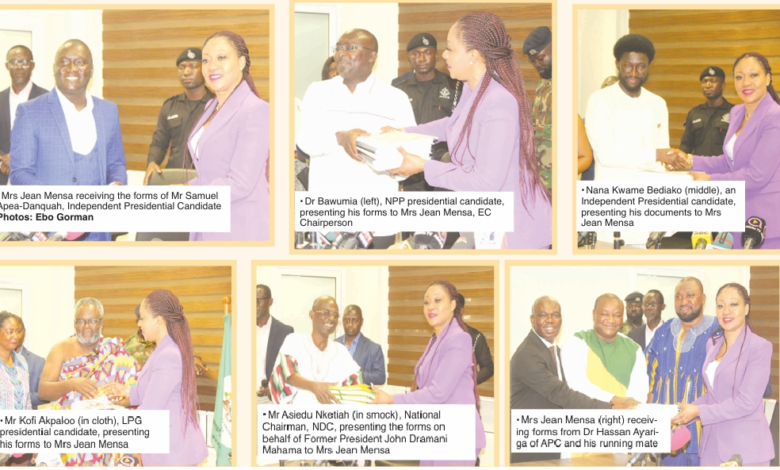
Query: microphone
point(734, 461)
point(365, 239)
point(74, 236)
point(58, 237)
point(617, 241)
point(753, 236)
point(464, 242)
point(429, 240)
point(724, 241)
point(654, 240)
point(700, 240)
point(680, 436)
point(636, 458)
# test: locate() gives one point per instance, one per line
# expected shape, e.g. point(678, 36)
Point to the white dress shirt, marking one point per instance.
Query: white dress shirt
point(263, 334)
point(15, 100)
point(81, 124)
point(650, 333)
point(710, 371)
point(329, 107)
point(625, 132)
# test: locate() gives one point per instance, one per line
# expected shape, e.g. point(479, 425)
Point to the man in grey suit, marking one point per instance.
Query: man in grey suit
point(536, 376)
point(34, 366)
point(365, 352)
point(20, 65)
point(270, 336)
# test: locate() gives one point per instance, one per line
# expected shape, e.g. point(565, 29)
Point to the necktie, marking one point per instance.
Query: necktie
point(555, 360)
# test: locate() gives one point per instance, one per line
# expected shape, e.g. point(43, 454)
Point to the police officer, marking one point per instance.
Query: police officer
point(538, 47)
point(178, 115)
point(433, 95)
point(706, 125)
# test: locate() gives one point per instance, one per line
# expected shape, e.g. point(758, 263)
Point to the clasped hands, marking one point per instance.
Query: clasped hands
point(411, 165)
point(676, 159)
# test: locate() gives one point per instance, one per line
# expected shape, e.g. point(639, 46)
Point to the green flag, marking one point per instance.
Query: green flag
point(221, 433)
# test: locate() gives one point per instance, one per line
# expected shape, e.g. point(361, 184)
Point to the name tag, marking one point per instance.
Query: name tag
point(694, 121)
point(173, 117)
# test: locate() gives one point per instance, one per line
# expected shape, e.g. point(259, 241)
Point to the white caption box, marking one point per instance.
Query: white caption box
point(128, 431)
point(115, 209)
point(645, 430)
point(348, 432)
point(672, 206)
point(404, 212)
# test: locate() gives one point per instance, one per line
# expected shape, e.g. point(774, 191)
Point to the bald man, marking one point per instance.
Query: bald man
point(336, 111)
point(68, 137)
point(309, 364)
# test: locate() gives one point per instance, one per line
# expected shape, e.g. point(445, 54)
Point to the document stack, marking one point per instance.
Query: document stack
point(381, 150)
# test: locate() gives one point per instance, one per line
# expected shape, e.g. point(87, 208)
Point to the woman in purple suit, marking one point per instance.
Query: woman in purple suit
point(229, 144)
point(167, 380)
point(750, 149)
point(490, 133)
point(447, 371)
point(736, 371)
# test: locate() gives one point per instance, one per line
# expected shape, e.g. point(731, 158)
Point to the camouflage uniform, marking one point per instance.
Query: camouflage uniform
point(542, 116)
point(139, 349)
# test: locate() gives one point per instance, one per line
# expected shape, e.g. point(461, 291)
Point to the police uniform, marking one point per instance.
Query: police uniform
point(177, 117)
point(705, 127)
point(431, 100)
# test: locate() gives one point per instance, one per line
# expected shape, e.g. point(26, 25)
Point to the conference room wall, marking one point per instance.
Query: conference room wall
point(51, 28)
point(597, 32)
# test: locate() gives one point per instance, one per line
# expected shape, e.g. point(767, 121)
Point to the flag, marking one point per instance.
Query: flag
point(221, 434)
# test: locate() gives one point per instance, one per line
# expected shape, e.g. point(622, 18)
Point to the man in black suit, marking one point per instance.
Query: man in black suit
point(365, 352)
point(20, 65)
point(536, 377)
point(653, 306)
point(270, 336)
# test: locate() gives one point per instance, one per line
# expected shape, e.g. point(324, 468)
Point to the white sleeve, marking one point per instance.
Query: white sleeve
point(640, 383)
point(663, 132)
point(574, 360)
point(318, 130)
point(600, 128)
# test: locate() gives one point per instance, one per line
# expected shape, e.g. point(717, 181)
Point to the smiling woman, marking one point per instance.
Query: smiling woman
point(14, 372)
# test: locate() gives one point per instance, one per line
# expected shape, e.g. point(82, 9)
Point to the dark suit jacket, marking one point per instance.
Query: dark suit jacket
point(5, 122)
point(276, 336)
point(369, 357)
point(34, 366)
point(481, 354)
point(638, 335)
point(535, 386)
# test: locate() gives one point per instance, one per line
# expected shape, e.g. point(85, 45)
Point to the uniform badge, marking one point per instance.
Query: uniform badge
point(173, 117)
point(426, 41)
point(712, 72)
point(190, 54)
point(725, 118)
point(696, 120)
point(444, 93)
point(533, 52)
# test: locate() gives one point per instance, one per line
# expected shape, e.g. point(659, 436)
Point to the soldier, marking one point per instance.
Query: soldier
point(538, 48)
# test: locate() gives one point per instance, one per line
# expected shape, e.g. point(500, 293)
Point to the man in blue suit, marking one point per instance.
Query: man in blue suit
point(68, 137)
point(365, 352)
point(34, 366)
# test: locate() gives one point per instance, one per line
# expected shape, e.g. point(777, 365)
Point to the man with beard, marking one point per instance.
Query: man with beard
point(627, 125)
point(76, 368)
point(633, 312)
point(538, 47)
point(536, 378)
point(603, 363)
point(365, 352)
point(308, 365)
point(178, 115)
point(652, 306)
point(706, 125)
point(675, 358)
point(20, 65)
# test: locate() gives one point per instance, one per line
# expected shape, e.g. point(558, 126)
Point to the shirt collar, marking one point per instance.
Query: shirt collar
point(25, 93)
point(354, 341)
point(362, 87)
point(656, 327)
point(546, 343)
point(69, 107)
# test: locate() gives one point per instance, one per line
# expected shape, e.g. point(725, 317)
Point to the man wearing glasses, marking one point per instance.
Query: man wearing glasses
point(270, 336)
point(652, 306)
point(69, 137)
point(20, 65)
point(432, 94)
point(76, 368)
point(308, 365)
point(335, 112)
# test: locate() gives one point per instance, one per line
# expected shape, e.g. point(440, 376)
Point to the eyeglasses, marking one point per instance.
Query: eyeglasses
point(651, 304)
point(24, 63)
point(328, 314)
point(348, 48)
point(91, 322)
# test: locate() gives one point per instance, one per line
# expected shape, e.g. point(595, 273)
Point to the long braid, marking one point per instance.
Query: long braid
point(458, 314)
point(485, 32)
point(163, 303)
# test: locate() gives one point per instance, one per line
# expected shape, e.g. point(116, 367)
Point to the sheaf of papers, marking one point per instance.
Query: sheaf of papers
point(381, 150)
point(353, 394)
point(99, 403)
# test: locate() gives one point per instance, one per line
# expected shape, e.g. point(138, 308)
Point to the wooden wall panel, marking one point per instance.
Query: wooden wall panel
point(764, 313)
point(409, 332)
point(140, 48)
point(687, 41)
point(200, 290)
point(437, 18)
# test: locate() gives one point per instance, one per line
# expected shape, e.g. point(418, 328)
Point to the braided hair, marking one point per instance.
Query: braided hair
point(452, 292)
point(767, 69)
point(485, 32)
point(239, 45)
point(163, 303)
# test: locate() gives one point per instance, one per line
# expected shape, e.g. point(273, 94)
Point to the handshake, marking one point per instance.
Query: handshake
point(674, 159)
point(623, 403)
